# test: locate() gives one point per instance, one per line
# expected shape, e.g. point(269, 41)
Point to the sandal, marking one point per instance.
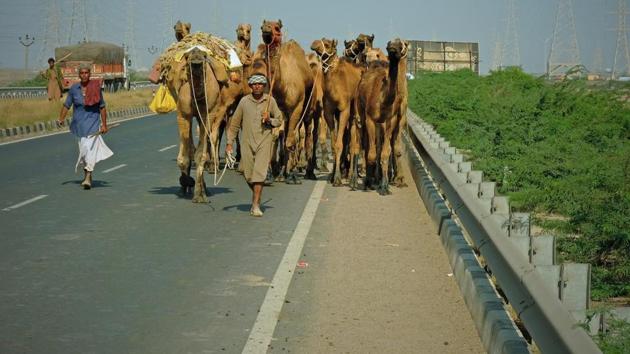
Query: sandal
point(256, 212)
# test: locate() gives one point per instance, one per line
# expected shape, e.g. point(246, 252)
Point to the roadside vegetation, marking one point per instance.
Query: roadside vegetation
point(561, 151)
point(17, 112)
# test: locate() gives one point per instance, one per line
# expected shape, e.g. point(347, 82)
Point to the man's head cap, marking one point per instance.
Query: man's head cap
point(257, 79)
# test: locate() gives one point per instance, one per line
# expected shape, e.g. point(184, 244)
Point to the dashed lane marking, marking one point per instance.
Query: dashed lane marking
point(114, 168)
point(25, 202)
point(166, 148)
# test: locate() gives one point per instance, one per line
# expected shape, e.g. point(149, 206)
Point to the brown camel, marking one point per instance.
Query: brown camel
point(375, 54)
point(316, 111)
point(382, 102)
point(356, 48)
point(195, 82)
point(341, 80)
point(292, 81)
point(181, 30)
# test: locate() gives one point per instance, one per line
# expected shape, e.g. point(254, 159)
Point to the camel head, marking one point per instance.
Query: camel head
point(271, 31)
point(325, 48)
point(365, 41)
point(243, 32)
point(352, 48)
point(375, 54)
point(397, 49)
point(181, 30)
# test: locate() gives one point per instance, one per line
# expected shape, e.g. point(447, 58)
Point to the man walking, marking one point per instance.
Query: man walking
point(257, 113)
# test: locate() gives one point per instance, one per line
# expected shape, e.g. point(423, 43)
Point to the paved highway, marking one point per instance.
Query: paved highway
point(131, 267)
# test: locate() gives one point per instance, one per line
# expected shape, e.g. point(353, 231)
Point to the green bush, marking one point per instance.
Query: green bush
point(559, 149)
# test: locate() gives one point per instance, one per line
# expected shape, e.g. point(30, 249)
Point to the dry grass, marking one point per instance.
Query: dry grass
point(27, 111)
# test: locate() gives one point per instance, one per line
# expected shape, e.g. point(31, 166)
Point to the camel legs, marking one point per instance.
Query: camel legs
point(323, 145)
point(383, 188)
point(201, 157)
point(370, 159)
point(399, 178)
point(310, 147)
point(186, 150)
point(355, 151)
point(340, 131)
point(291, 150)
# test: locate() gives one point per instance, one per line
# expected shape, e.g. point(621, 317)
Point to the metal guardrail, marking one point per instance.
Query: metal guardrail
point(41, 92)
point(22, 92)
point(490, 223)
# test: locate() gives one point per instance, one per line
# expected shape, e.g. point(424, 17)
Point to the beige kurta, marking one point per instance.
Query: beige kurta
point(256, 140)
point(54, 84)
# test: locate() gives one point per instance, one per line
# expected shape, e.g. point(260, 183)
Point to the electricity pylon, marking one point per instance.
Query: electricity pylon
point(621, 49)
point(564, 53)
point(511, 55)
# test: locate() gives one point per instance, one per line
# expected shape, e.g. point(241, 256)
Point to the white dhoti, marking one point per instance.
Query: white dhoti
point(92, 149)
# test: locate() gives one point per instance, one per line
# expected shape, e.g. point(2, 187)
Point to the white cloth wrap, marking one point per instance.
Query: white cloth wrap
point(92, 149)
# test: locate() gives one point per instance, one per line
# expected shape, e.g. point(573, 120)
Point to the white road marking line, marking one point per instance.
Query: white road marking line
point(25, 202)
point(166, 148)
point(262, 331)
point(114, 168)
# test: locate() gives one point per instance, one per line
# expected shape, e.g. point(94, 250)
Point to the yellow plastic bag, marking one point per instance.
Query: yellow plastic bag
point(163, 102)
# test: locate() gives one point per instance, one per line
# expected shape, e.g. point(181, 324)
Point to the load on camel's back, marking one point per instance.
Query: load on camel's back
point(196, 73)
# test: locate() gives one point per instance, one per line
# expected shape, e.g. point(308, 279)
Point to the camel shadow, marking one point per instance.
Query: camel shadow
point(176, 190)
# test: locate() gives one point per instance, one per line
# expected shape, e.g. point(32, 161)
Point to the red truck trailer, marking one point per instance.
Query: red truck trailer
point(107, 60)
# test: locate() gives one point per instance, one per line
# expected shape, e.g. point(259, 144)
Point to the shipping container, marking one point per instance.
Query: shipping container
point(442, 56)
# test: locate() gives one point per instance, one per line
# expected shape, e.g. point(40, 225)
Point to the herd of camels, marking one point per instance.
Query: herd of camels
point(360, 98)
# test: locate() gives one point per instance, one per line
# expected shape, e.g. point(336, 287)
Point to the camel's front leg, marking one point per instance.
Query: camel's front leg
point(341, 129)
point(186, 150)
point(310, 146)
point(370, 172)
point(399, 178)
point(323, 145)
point(383, 188)
point(291, 150)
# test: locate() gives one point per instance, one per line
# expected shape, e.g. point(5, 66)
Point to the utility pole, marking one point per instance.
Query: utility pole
point(621, 49)
point(511, 55)
point(27, 41)
point(565, 53)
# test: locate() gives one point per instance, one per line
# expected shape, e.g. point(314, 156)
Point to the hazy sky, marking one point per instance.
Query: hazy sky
point(479, 21)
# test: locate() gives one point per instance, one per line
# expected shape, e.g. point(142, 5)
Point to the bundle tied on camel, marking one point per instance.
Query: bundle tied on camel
point(220, 49)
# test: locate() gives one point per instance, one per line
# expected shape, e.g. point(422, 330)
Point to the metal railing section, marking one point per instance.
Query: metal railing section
point(522, 265)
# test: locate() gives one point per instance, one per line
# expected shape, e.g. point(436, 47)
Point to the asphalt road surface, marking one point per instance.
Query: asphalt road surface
point(132, 267)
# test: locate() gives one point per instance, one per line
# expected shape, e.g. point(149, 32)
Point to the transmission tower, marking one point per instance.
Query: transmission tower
point(511, 55)
point(78, 18)
point(621, 49)
point(130, 35)
point(564, 53)
point(51, 35)
point(497, 54)
point(167, 27)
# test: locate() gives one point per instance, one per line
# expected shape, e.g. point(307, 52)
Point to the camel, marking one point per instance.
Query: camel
point(375, 54)
point(195, 83)
point(382, 101)
point(316, 110)
point(181, 30)
point(243, 36)
point(356, 49)
point(291, 85)
point(341, 80)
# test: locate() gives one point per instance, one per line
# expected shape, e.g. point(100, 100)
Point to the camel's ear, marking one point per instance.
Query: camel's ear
point(220, 72)
point(345, 43)
point(179, 23)
point(372, 38)
point(187, 26)
point(248, 27)
point(334, 44)
point(280, 23)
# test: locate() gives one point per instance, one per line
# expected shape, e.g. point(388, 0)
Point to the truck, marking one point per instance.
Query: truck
point(442, 56)
point(108, 62)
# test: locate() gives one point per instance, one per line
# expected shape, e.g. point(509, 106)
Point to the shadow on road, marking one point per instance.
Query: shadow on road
point(175, 190)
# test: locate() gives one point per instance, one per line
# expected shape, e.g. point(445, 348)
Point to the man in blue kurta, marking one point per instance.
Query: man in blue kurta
point(89, 121)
